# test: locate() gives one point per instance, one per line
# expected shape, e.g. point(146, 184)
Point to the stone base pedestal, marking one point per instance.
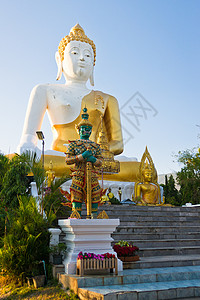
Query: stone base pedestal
point(87, 235)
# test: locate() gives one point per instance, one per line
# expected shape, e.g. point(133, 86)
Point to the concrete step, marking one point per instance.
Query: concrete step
point(164, 261)
point(126, 218)
point(144, 215)
point(157, 229)
point(144, 210)
point(157, 223)
point(155, 236)
point(134, 213)
point(157, 283)
point(164, 243)
point(144, 291)
point(148, 208)
point(148, 215)
point(165, 251)
point(132, 276)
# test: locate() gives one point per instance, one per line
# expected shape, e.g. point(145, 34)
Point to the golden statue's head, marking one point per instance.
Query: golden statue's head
point(147, 172)
point(76, 34)
point(50, 165)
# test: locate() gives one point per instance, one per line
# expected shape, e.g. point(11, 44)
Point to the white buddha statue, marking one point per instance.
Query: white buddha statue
point(64, 102)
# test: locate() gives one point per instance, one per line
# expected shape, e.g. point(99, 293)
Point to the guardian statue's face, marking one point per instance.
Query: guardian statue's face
point(85, 132)
point(78, 61)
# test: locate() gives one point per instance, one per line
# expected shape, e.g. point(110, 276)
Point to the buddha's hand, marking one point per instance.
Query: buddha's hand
point(92, 159)
point(27, 148)
point(86, 154)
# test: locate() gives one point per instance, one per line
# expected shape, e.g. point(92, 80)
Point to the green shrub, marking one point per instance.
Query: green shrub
point(114, 201)
point(15, 182)
point(27, 241)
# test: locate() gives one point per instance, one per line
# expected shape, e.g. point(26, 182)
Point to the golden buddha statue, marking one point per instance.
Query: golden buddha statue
point(110, 194)
point(147, 190)
point(50, 175)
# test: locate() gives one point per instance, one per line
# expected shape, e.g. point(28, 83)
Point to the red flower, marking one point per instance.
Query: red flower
point(125, 250)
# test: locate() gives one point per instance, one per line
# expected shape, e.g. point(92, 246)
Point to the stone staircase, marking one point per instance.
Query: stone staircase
point(169, 266)
point(144, 284)
point(166, 236)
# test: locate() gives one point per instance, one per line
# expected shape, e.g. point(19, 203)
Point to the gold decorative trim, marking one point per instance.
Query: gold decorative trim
point(75, 214)
point(103, 215)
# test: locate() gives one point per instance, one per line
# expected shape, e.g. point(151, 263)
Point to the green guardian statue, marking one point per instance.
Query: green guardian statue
point(84, 154)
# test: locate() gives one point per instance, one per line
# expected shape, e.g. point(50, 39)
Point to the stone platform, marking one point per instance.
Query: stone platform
point(145, 284)
point(169, 266)
point(87, 235)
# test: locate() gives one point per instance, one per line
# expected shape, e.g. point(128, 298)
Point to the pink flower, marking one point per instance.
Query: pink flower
point(94, 256)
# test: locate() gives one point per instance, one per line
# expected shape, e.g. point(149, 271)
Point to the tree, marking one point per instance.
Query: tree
point(170, 192)
point(4, 165)
point(189, 176)
point(15, 182)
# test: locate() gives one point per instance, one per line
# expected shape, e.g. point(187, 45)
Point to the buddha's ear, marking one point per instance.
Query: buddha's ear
point(59, 65)
point(92, 77)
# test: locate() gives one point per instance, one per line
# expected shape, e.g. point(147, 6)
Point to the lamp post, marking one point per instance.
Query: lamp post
point(40, 136)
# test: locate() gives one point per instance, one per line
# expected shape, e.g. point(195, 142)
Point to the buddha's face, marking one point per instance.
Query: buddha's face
point(147, 175)
point(78, 61)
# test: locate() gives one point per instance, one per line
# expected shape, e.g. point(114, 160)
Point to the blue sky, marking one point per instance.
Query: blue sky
point(151, 47)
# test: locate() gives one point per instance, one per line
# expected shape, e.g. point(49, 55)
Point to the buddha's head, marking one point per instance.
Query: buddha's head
point(50, 165)
point(147, 173)
point(84, 128)
point(76, 56)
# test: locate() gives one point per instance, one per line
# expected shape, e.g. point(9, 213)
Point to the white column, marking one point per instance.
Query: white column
point(54, 239)
point(87, 235)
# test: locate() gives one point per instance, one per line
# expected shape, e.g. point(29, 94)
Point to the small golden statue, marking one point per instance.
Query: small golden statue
point(120, 194)
point(50, 175)
point(110, 194)
point(147, 190)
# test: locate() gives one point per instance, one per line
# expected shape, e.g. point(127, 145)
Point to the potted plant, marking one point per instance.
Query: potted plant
point(87, 262)
point(57, 252)
point(126, 252)
point(37, 275)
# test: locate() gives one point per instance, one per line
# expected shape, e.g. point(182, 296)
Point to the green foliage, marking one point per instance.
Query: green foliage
point(122, 243)
point(4, 165)
point(171, 194)
point(24, 236)
point(58, 249)
point(27, 241)
point(189, 176)
point(53, 199)
point(34, 165)
point(15, 182)
point(114, 201)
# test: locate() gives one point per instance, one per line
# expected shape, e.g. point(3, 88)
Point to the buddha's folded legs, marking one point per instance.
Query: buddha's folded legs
point(129, 170)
